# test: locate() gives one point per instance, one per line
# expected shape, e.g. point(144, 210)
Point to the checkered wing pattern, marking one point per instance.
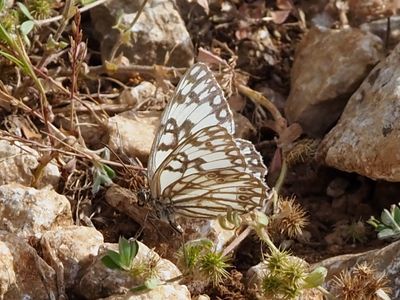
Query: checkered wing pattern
point(196, 167)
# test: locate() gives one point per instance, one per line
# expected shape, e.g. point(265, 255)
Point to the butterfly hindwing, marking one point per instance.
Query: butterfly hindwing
point(207, 174)
point(209, 194)
point(253, 159)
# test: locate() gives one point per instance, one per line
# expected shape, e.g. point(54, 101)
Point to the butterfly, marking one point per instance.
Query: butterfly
point(196, 168)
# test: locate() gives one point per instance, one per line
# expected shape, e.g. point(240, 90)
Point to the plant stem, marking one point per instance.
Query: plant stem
point(282, 176)
point(120, 40)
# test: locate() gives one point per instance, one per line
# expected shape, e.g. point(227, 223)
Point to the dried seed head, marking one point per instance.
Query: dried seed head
point(362, 282)
point(290, 219)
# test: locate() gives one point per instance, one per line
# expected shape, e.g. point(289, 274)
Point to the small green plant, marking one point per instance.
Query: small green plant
point(102, 174)
point(199, 260)
point(287, 276)
point(41, 9)
point(124, 260)
point(388, 226)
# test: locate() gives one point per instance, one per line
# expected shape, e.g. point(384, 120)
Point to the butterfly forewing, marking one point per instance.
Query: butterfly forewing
point(198, 103)
point(208, 149)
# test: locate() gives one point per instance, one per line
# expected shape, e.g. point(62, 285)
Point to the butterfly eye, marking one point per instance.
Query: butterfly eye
point(143, 196)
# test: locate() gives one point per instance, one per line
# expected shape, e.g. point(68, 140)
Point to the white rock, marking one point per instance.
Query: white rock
point(98, 281)
point(23, 274)
point(17, 163)
point(168, 291)
point(133, 96)
point(73, 246)
point(158, 34)
point(132, 133)
point(30, 212)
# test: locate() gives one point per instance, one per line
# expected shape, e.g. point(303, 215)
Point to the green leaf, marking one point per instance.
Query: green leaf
point(112, 260)
point(109, 263)
point(373, 222)
point(152, 283)
point(387, 218)
point(261, 218)
point(396, 214)
point(25, 10)
point(315, 278)
point(86, 2)
point(5, 36)
point(26, 40)
point(96, 185)
point(386, 233)
point(127, 250)
point(140, 288)
point(2, 4)
point(13, 59)
point(26, 27)
point(110, 172)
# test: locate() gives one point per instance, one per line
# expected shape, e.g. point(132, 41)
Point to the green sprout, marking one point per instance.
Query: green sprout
point(388, 227)
point(213, 265)
point(199, 259)
point(287, 276)
point(102, 175)
point(40, 9)
point(123, 259)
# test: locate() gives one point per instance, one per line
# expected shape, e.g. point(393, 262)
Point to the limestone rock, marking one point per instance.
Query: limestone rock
point(23, 274)
point(132, 96)
point(169, 291)
point(30, 212)
point(17, 163)
point(328, 67)
point(73, 246)
point(158, 36)
point(366, 139)
point(98, 281)
point(132, 133)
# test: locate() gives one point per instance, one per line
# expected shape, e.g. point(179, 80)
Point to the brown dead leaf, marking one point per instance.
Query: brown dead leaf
point(276, 162)
point(279, 16)
point(289, 135)
point(160, 76)
point(204, 4)
point(255, 10)
point(237, 102)
point(284, 4)
point(210, 58)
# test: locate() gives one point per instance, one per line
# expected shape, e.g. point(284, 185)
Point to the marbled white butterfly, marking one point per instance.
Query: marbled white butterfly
point(196, 167)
